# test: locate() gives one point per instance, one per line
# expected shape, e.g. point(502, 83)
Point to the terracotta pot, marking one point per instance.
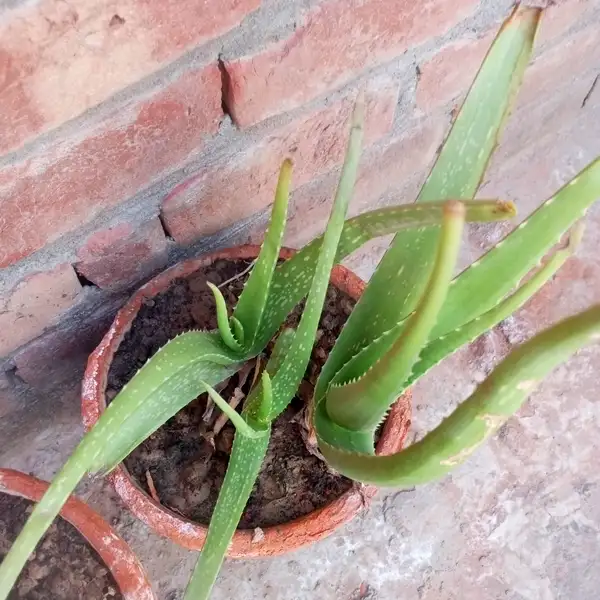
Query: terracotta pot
point(115, 553)
point(278, 539)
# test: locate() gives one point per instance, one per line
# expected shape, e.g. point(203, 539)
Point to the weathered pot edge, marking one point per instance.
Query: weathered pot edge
point(115, 553)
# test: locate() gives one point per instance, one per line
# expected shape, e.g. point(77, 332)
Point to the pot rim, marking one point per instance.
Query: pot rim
point(116, 554)
point(274, 540)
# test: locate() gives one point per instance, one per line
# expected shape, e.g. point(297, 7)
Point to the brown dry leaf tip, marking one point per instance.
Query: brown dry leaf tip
point(455, 208)
point(175, 510)
point(238, 396)
point(245, 371)
point(151, 487)
point(505, 207)
point(365, 592)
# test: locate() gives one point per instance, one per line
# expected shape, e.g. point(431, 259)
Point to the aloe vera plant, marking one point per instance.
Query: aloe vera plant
point(413, 314)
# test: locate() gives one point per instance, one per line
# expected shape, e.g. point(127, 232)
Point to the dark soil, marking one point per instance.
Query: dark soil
point(63, 566)
point(179, 459)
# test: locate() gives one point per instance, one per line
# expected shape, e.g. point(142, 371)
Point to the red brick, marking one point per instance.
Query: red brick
point(451, 71)
point(58, 59)
point(334, 43)
point(35, 303)
point(559, 17)
point(384, 174)
point(122, 255)
point(546, 118)
point(559, 67)
point(546, 164)
point(54, 193)
point(244, 184)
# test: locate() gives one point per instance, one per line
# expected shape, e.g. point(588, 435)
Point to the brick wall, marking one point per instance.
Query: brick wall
point(139, 132)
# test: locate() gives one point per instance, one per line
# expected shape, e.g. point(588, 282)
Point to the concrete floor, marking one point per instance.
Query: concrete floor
point(519, 521)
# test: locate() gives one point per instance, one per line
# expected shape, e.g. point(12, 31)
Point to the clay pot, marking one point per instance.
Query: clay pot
point(277, 539)
point(115, 553)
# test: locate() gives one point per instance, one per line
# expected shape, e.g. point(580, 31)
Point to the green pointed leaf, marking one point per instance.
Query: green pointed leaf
point(238, 421)
point(238, 330)
point(165, 384)
point(251, 304)
point(280, 350)
point(246, 458)
point(482, 285)
point(361, 404)
point(457, 173)
point(40, 520)
point(440, 348)
point(291, 371)
point(494, 401)
point(247, 454)
point(262, 414)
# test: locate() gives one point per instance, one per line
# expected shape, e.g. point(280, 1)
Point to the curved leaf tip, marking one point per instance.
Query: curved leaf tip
point(223, 318)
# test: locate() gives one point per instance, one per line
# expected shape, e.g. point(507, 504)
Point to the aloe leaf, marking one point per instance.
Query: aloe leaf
point(280, 350)
point(457, 173)
point(238, 330)
point(166, 383)
point(483, 284)
point(163, 386)
point(494, 401)
point(259, 405)
point(292, 278)
point(252, 301)
point(288, 364)
point(291, 371)
point(238, 421)
point(41, 518)
point(439, 348)
point(360, 405)
point(247, 455)
point(260, 413)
